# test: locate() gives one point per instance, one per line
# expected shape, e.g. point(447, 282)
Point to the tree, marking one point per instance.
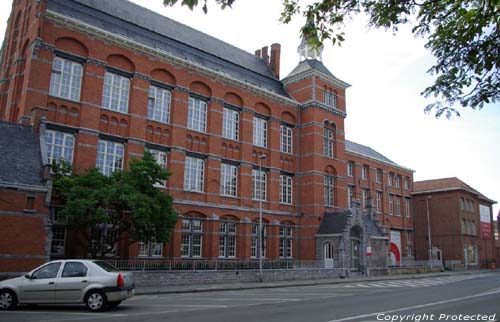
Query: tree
point(463, 35)
point(123, 206)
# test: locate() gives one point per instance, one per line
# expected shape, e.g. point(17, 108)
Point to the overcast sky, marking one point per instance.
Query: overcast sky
point(384, 107)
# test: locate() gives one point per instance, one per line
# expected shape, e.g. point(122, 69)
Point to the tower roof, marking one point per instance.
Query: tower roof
point(314, 66)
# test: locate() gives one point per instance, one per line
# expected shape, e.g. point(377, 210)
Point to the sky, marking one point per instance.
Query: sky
point(387, 72)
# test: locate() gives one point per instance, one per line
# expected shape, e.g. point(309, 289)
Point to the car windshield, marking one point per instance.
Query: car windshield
point(105, 266)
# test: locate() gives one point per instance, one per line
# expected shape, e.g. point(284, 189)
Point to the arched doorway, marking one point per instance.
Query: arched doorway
point(328, 254)
point(355, 241)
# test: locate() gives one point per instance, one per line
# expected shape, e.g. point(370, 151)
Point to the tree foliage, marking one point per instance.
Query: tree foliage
point(463, 35)
point(126, 204)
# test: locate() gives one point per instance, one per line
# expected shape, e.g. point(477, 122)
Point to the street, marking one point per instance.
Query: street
point(432, 298)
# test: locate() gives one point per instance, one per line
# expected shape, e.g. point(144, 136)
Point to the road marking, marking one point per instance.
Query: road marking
point(357, 317)
point(58, 312)
point(179, 305)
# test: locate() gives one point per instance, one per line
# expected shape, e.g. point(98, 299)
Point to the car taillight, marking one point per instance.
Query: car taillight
point(120, 282)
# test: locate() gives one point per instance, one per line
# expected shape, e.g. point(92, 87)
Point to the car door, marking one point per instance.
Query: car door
point(41, 285)
point(72, 282)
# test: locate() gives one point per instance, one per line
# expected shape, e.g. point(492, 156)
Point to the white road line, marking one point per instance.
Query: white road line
point(179, 305)
point(242, 299)
point(357, 317)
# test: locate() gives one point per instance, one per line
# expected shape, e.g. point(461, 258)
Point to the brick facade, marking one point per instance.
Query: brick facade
point(37, 34)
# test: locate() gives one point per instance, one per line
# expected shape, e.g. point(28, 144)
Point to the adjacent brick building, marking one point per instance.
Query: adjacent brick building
point(24, 217)
point(104, 80)
point(461, 222)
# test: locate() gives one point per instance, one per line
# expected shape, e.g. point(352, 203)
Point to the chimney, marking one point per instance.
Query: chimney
point(275, 59)
point(258, 53)
point(265, 54)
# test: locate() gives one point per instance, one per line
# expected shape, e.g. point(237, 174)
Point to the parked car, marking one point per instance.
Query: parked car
point(92, 282)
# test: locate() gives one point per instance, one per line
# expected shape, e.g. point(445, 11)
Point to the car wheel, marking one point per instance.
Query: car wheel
point(113, 304)
point(8, 300)
point(95, 301)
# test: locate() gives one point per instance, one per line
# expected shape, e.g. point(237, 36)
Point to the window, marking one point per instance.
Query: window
point(329, 191)
point(228, 179)
point(192, 237)
point(259, 183)
point(109, 157)
point(194, 174)
point(350, 195)
point(366, 195)
point(104, 240)
point(398, 206)
point(364, 172)
point(407, 207)
point(66, 79)
point(74, 269)
point(350, 168)
point(286, 139)
point(407, 183)
point(259, 132)
point(328, 142)
point(150, 249)
point(329, 98)
point(227, 239)
point(391, 204)
point(230, 124)
point(197, 115)
point(409, 243)
point(397, 181)
point(286, 242)
point(159, 104)
point(60, 146)
point(161, 160)
point(255, 240)
point(390, 177)
point(379, 201)
point(47, 271)
point(115, 92)
point(58, 241)
point(286, 186)
point(462, 203)
point(378, 176)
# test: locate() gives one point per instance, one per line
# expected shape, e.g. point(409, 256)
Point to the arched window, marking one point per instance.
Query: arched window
point(192, 237)
point(228, 229)
point(255, 239)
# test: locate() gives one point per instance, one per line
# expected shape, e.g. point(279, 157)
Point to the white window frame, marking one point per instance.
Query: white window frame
point(364, 172)
point(286, 189)
point(228, 231)
point(286, 242)
point(228, 180)
point(197, 115)
point(60, 146)
point(66, 79)
point(350, 195)
point(350, 169)
point(194, 174)
point(159, 100)
point(379, 201)
point(286, 139)
point(391, 204)
point(149, 249)
point(407, 183)
point(230, 124)
point(115, 92)
point(330, 98)
point(407, 207)
point(366, 194)
point(329, 182)
point(259, 132)
point(328, 142)
point(259, 184)
point(191, 238)
point(110, 156)
point(378, 175)
point(398, 206)
point(390, 182)
point(161, 158)
point(254, 247)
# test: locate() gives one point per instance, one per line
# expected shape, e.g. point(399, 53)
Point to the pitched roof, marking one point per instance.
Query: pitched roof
point(366, 151)
point(146, 27)
point(313, 65)
point(445, 184)
point(20, 159)
point(336, 223)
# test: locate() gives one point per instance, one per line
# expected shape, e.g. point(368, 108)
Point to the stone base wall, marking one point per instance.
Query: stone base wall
point(163, 278)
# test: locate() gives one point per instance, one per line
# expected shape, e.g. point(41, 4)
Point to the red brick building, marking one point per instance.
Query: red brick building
point(460, 220)
point(105, 80)
point(24, 217)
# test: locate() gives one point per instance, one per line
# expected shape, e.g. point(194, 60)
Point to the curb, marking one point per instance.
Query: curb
point(229, 287)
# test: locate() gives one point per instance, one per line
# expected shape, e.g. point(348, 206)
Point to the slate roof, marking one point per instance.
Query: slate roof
point(370, 153)
point(445, 184)
point(144, 26)
point(335, 223)
point(20, 156)
point(310, 64)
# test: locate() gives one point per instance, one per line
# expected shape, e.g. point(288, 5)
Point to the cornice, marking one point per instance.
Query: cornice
point(311, 73)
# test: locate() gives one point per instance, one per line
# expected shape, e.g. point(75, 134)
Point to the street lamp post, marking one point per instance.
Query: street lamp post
point(261, 277)
point(429, 231)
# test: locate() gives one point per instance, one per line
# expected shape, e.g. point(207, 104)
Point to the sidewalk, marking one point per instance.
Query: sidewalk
point(254, 285)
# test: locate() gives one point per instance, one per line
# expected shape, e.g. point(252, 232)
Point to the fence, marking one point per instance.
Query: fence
point(177, 265)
